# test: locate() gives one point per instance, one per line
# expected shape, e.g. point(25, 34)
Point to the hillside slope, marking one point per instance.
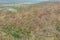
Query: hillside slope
point(38, 22)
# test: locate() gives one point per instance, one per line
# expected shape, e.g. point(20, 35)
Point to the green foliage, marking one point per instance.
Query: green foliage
point(15, 31)
point(58, 25)
point(58, 28)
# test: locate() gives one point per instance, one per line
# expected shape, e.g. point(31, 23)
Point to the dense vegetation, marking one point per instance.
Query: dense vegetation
point(33, 22)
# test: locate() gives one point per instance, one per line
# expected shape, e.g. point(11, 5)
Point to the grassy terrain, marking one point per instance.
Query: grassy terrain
point(34, 22)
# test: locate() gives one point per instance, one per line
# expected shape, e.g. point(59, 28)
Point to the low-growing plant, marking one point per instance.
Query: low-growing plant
point(15, 31)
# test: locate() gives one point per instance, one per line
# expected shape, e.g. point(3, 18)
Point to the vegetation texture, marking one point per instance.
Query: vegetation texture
point(34, 22)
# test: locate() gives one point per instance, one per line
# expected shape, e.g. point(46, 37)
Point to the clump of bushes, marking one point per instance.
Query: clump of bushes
point(17, 33)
